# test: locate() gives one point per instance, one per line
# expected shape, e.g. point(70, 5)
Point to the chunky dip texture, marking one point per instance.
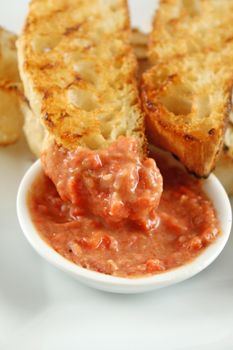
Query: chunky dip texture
point(114, 184)
point(107, 213)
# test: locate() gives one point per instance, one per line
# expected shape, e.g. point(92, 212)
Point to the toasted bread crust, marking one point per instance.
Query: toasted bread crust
point(196, 142)
point(224, 168)
point(187, 93)
point(79, 71)
point(11, 120)
point(34, 131)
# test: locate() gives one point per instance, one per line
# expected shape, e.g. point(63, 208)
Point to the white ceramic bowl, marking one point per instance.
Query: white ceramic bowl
point(212, 187)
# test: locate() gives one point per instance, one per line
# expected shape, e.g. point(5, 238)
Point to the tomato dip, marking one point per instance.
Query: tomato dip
point(110, 211)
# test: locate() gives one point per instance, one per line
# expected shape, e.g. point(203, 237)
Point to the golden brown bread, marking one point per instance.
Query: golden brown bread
point(79, 71)
point(139, 42)
point(10, 116)
point(34, 131)
point(224, 168)
point(187, 93)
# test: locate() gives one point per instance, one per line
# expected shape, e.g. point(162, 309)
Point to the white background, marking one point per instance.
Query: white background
point(43, 309)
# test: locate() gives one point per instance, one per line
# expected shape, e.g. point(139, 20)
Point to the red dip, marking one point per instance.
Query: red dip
point(111, 211)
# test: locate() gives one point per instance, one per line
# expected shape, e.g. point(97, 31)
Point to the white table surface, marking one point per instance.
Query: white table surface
point(43, 309)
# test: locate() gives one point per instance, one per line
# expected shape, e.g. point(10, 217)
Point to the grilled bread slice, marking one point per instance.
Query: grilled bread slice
point(187, 93)
point(139, 41)
point(11, 119)
point(224, 168)
point(34, 131)
point(79, 71)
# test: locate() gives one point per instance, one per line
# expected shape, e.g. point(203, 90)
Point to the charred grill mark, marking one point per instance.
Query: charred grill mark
point(188, 137)
point(46, 66)
point(172, 77)
point(228, 40)
point(7, 85)
point(48, 120)
point(76, 79)
point(72, 29)
point(75, 136)
point(225, 148)
point(151, 106)
point(47, 95)
point(64, 115)
point(211, 132)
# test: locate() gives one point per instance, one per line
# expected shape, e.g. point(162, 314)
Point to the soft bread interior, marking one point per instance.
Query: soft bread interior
point(79, 71)
point(187, 92)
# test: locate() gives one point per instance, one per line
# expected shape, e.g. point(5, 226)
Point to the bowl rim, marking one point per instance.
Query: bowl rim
point(178, 274)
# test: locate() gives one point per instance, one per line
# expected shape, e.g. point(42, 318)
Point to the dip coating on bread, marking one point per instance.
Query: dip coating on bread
point(79, 71)
point(187, 92)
